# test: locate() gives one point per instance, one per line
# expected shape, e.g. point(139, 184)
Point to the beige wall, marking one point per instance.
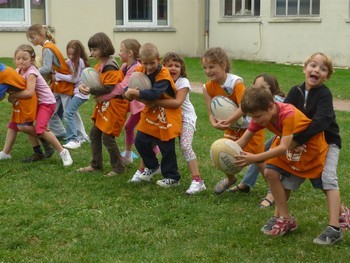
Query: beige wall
point(284, 42)
point(80, 19)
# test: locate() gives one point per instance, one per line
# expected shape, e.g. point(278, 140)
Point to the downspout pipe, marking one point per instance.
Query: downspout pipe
point(207, 6)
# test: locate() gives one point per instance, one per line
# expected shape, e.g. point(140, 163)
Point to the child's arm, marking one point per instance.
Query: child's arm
point(154, 93)
point(48, 60)
point(67, 78)
point(28, 92)
point(171, 103)
point(247, 158)
point(218, 124)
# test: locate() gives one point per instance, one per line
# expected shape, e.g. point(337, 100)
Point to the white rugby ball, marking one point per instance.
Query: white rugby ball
point(222, 153)
point(140, 81)
point(91, 78)
point(222, 108)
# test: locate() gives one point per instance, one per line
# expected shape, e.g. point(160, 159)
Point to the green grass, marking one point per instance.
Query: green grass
point(53, 214)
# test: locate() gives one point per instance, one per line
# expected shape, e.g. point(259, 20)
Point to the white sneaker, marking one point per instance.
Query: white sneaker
point(196, 187)
point(84, 140)
point(127, 160)
point(136, 177)
point(148, 174)
point(5, 156)
point(167, 182)
point(65, 156)
point(72, 145)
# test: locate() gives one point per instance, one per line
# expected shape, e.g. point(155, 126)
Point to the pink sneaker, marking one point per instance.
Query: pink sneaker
point(344, 218)
point(282, 227)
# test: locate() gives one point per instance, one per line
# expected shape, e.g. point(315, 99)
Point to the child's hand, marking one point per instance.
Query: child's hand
point(131, 94)
point(84, 89)
point(245, 159)
point(98, 99)
point(12, 100)
point(221, 125)
point(149, 103)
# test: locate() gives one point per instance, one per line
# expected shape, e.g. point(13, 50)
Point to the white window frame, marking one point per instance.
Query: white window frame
point(241, 14)
point(153, 23)
point(27, 16)
point(298, 10)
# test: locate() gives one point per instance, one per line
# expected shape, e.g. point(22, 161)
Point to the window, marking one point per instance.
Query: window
point(142, 13)
point(241, 8)
point(22, 12)
point(297, 7)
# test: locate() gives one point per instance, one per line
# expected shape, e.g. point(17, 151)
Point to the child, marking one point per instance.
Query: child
point(23, 110)
point(252, 173)
point(25, 59)
point(53, 61)
point(109, 116)
point(292, 164)
point(315, 100)
point(77, 61)
point(159, 125)
point(129, 54)
point(216, 66)
point(176, 66)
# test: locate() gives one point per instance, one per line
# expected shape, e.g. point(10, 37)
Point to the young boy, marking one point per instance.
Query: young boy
point(157, 125)
point(315, 100)
point(292, 164)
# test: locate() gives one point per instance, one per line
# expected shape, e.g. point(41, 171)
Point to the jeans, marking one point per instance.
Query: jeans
point(252, 173)
point(74, 125)
point(55, 124)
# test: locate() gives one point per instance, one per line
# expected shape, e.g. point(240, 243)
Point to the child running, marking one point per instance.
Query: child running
point(108, 116)
point(315, 100)
point(25, 59)
point(53, 61)
point(216, 66)
point(77, 61)
point(293, 165)
point(158, 125)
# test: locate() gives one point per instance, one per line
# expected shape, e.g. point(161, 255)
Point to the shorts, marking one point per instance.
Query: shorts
point(14, 126)
point(43, 116)
point(292, 182)
point(329, 173)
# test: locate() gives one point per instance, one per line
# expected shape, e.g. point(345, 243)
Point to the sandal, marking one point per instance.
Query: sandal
point(270, 203)
point(86, 169)
point(110, 174)
point(237, 188)
point(223, 185)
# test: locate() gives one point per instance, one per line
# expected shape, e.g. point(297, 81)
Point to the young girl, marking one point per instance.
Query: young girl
point(24, 110)
point(216, 66)
point(25, 58)
point(129, 54)
point(77, 61)
point(176, 66)
point(252, 173)
point(109, 116)
point(53, 61)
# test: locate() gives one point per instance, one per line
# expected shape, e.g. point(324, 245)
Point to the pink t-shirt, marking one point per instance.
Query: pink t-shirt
point(42, 89)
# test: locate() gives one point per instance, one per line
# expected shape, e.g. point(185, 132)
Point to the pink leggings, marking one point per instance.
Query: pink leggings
point(130, 127)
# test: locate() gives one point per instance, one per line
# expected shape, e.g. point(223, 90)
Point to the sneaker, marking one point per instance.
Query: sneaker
point(167, 182)
point(282, 226)
point(196, 187)
point(127, 160)
point(344, 218)
point(268, 226)
point(148, 174)
point(48, 149)
point(329, 236)
point(136, 177)
point(65, 156)
point(72, 145)
point(5, 156)
point(84, 141)
point(35, 157)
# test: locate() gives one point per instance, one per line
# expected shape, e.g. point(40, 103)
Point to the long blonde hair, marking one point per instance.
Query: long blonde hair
point(40, 30)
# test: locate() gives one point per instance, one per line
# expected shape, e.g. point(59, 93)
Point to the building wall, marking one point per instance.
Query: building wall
point(269, 39)
point(80, 19)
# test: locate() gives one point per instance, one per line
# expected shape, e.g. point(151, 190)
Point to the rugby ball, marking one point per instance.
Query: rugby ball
point(222, 153)
point(222, 108)
point(140, 81)
point(91, 78)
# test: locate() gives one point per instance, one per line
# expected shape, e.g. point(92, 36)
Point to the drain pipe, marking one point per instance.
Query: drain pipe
point(207, 6)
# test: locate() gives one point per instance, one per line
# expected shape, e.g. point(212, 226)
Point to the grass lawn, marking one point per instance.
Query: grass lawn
point(49, 213)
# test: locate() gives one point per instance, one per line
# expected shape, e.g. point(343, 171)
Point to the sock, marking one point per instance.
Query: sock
point(37, 149)
point(127, 154)
point(197, 178)
point(335, 228)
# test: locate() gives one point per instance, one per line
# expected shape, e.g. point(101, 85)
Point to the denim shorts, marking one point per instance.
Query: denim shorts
point(292, 182)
